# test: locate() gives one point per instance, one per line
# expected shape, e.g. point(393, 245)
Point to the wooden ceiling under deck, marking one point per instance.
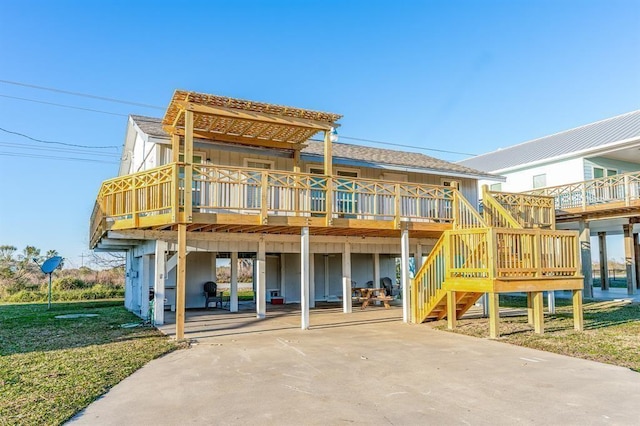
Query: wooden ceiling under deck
point(603, 211)
point(416, 230)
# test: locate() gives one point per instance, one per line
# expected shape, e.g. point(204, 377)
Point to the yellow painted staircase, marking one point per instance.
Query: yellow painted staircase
point(513, 247)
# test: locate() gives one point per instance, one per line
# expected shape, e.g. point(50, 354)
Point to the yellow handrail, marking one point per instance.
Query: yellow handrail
point(428, 280)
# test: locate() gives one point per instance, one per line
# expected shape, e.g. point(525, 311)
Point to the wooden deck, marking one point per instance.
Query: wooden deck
point(229, 199)
point(611, 196)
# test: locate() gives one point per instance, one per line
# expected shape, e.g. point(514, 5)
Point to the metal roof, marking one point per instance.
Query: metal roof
point(589, 137)
point(363, 155)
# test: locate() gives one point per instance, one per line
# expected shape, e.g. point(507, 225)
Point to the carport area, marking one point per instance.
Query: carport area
point(361, 368)
point(202, 324)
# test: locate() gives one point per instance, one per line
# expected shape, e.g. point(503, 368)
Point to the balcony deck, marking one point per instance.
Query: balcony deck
point(611, 196)
point(230, 199)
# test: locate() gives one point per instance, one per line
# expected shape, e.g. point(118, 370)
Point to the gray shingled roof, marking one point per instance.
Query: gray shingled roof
point(355, 153)
point(590, 136)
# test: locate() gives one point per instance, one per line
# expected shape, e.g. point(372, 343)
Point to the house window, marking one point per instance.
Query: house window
point(258, 164)
point(253, 183)
point(599, 172)
point(345, 194)
point(540, 181)
point(449, 182)
point(497, 187)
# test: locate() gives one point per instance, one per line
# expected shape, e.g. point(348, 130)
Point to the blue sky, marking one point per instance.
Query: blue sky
point(466, 76)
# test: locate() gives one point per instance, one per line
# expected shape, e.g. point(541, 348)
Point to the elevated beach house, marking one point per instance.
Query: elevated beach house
point(220, 177)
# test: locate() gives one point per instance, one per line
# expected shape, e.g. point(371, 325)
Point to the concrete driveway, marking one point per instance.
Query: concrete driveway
point(362, 368)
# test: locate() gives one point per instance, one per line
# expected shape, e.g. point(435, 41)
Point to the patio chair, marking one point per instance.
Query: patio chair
point(212, 295)
point(386, 284)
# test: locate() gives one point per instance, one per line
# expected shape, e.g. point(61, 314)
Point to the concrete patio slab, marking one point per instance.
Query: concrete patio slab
point(361, 368)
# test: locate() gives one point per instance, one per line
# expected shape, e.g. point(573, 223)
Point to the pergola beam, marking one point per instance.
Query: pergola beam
point(254, 116)
point(221, 137)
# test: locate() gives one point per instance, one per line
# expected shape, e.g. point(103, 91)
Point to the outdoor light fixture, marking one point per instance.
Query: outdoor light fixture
point(333, 135)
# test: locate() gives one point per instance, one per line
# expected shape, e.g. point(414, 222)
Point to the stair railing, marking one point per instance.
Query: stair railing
point(428, 280)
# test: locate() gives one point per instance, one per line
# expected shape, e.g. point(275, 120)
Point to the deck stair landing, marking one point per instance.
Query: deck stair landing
point(513, 247)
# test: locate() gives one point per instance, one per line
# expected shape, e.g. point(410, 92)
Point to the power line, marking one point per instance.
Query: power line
point(53, 157)
point(161, 108)
point(64, 106)
point(72, 151)
point(84, 95)
point(58, 143)
point(407, 146)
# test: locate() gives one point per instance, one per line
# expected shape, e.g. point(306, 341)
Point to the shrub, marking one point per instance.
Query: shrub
point(68, 283)
point(98, 291)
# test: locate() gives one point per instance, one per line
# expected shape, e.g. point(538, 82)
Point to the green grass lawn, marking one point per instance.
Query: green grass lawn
point(51, 368)
point(611, 331)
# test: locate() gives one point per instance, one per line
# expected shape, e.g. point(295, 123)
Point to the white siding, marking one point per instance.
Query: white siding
point(558, 173)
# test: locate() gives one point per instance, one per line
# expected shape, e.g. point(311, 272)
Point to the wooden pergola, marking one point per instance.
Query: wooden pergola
point(228, 120)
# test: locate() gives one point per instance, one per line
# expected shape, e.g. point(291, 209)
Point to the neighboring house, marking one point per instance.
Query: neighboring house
point(228, 178)
point(604, 148)
point(593, 171)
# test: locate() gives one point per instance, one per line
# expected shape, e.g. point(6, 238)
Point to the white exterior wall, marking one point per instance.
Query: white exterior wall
point(199, 267)
point(558, 173)
point(144, 154)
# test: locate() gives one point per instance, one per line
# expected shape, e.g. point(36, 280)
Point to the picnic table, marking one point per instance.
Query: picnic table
point(367, 295)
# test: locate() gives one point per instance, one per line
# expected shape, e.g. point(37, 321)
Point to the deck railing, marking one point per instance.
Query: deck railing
point(620, 189)
point(516, 210)
point(221, 189)
point(157, 196)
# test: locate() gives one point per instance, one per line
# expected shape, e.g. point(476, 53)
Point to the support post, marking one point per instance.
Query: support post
point(417, 259)
point(283, 274)
point(233, 290)
point(636, 250)
point(346, 279)
point(304, 277)
point(604, 269)
point(328, 171)
point(578, 320)
point(145, 272)
point(181, 280)
point(325, 264)
point(585, 251)
point(404, 271)
point(551, 301)
point(485, 305)
point(451, 310)
point(629, 258)
point(159, 282)
point(494, 315)
point(188, 166)
point(376, 270)
point(529, 308)
point(538, 312)
point(261, 277)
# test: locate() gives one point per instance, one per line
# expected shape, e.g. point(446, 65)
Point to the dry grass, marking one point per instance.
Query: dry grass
point(611, 335)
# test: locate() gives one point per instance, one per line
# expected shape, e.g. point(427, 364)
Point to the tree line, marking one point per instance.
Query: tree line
point(20, 274)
